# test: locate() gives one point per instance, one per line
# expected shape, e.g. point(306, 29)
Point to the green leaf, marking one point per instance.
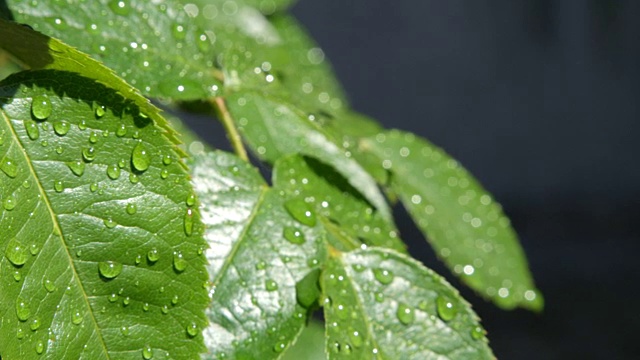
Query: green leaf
point(161, 48)
point(254, 268)
point(383, 305)
point(461, 219)
point(310, 344)
point(275, 129)
point(335, 199)
point(87, 205)
point(42, 52)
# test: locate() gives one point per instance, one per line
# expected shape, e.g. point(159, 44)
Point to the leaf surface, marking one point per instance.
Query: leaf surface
point(100, 246)
point(383, 305)
point(263, 246)
point(463, 222)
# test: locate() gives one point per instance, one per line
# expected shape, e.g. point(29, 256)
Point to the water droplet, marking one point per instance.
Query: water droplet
point(39, 347)
point(9, 167)
point(77, 317)
point(20, 334)
point(76, 167)
point(167, 159)
point(132, 208)
point(22, 309)
point(61, 127)
point(109, 223)
point(93, 187)
point(164, 174)
point(147, 353)
point(9, 203)
point(58, 186)
point(294, 235)
point(121, 131)
point(34, 249)
point(178, 31)
point(271, 285)
point(153, 255)
point(17, 276)
point(300, 211)
point(16, 253)
point(175, 299)
point(355, 338)
point(192, 329)
point(145, 307)
point(405, 314)
point(446, 309)
point(383, 276)
point(179, 263)
point(100, 111)
point(41, 107)
point(477, 332)
point(188, 222)
point(126, 301)
point(125, 331)
point(49, 285)
point(113, 171)
point(93, 137)
point(140, 157)
point(89, 154)
point(164, 309)
point(32, 129)
point(191, 199)
point(109, 269)
point(113, 297)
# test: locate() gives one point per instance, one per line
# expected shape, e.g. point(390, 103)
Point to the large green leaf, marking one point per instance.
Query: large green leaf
point(461, 220)
point(156, 46)
point(275, 129)
point(101, 245)
point(265, 250)
point(331, 196)
point(310, 344)
point(383, 305)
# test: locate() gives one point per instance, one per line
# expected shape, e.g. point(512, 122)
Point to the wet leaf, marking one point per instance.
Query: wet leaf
point(463, 222)
point(383, 305)
point(80, 226)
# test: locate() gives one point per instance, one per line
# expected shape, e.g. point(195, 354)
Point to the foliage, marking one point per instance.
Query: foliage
point(125, 237)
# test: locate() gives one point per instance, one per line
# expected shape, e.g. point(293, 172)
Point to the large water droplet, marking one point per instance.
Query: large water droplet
point(61, 127)
point(76, 167)
point(147, 353)
point(140, 157)
point(113, 171)
point(110, 269)
point(179, 263)
point(32, 129)
point(16, 253)
point(293, 235)
point(301, 211)
point(22, 309)
point(9, 167)
point(446, 308)
point(41, 107)
point(383, 276)
point(405, 314)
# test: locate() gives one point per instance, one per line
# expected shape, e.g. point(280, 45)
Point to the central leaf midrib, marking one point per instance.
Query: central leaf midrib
point(56, 226)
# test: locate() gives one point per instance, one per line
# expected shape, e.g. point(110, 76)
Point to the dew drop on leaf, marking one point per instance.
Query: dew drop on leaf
point(147, 353)
point(153, 255)
point(58, 186)
point(355, 338)
point(109, 269)
point(22, 309)
point(405, 314)
point(76, 167)
point(477, 332)
point(39, 347)
point(446, 309)
point(167, 160)
point(61, 127)
point(261, 265)
point(383, 276)
point(32, 129)
point(17, 276)
point(113, 171)
point(271, 285)
point(9, 167)
point(300, 211)
point(16, 253)
point(49, 285)
point(188, 222)
point(121, 131)
point(9, 203)
point(100, 111)
point(191, 199)
point(279, 347)
point(192, 329)
point(164, 174)
point(132, 208)
point(140, 157)
point(125, 331)
point(109, 223)
point(133, 178)
point(34, 324)
point(293, 235)
point(179, 263)
point(20, 334)
point(41, 107)
point(89, 154)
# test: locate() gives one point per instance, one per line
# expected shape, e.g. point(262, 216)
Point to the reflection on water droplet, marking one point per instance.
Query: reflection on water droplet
point(9, 203)
point(132, 208)
point(39, 347)
point(477, 332)
point(383, 276)
point(61, 127)
point(140, 157)
point(446, 308)
point(49, 285)
point(405, 314)
point(109, 269)
point(41, 107)
point(113, 171)
point(147, 353)
point(100, 111)
point(121, 131)
point(58, 186)
point(77, 317)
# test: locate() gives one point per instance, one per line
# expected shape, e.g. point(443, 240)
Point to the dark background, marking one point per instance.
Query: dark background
point(540, 100)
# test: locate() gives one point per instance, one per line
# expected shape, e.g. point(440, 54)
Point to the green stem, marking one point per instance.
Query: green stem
point(229, 126)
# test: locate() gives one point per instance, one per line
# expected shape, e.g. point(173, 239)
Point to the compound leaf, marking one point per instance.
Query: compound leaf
point(462, 221)
point(383, 305)
point(100, 244)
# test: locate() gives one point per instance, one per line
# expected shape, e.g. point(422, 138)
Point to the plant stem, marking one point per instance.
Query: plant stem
point(232, 132)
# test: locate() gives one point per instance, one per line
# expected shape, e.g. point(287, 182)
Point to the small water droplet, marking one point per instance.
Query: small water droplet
point(192, 329)
point(113, 171)
point(20, 334)
point(279, 347)
point(147, 353)
point(167, 159)
point(294, 235)
point(41, 107)
point(61, 127)
point(383, 276)
point(17, 276)
point(109, 269)
point(32, 129)
point(125, 331)
point(132, 208)
point(34, 249)
point(93, 187)
point(22, 309)
point(153, 255)
point(113, 297)
point(121, 131)
point(188, 222)
point(191, 199)
point(39, 347)
point(76, 167)
point(300, 211)
point(140, 157)
point(9, 203)
point(133, 178)
point(477, 332)
point(355, 338)
point(164, 174)
point(446, 309)
point(49, 285)
point(164, 309)
point(179, 263)
point(145, 307)
point(16, 253)
point(89, 154)
point(261, 265)
point(405, 314)
point(77, 317)
point(109, 223)
point(58, 186)
point(100, 111)
point(271, 285)
point(9, 167)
